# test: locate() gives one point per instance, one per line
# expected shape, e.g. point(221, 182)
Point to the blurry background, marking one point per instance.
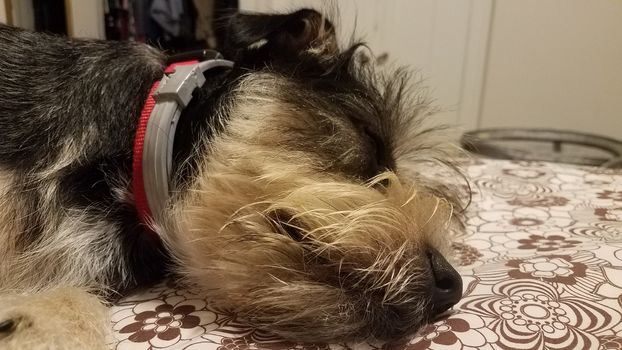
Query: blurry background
point(553, 64)
point(174, 25)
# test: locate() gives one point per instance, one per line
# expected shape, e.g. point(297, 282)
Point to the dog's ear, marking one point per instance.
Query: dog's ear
point(280, 36)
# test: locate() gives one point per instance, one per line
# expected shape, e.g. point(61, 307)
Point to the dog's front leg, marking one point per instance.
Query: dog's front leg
point(62, 318)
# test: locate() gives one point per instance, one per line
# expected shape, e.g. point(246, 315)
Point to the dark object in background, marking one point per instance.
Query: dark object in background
point(171, 25)
point(545, 145)
point(117, 20)
point(50, 16)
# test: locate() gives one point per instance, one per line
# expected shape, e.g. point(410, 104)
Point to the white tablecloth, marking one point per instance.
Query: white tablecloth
point(541, 265)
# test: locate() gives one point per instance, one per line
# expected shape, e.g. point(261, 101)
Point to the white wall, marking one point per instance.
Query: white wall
point(3, 16)
point(501, 63)
point(22, 13)
point(85, 18)
point(556, 64)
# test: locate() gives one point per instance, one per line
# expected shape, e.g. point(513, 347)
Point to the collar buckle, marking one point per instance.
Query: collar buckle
point(172, 95)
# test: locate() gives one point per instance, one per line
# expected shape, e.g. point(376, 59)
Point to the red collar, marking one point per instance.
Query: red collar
point(138, 186)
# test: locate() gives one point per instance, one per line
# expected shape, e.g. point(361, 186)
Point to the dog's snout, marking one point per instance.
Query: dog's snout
point(446, 285)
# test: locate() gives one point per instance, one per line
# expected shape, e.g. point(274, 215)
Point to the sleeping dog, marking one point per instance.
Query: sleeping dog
point(287, 179)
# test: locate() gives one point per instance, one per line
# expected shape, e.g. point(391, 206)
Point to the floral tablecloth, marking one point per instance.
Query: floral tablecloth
point(541, 264)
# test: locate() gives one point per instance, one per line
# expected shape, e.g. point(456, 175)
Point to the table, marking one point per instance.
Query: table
point(541, 263)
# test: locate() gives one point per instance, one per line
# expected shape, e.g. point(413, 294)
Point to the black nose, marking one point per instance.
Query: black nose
point(446, 285)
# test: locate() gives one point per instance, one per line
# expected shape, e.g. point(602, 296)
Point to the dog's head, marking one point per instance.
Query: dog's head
point(317, 211)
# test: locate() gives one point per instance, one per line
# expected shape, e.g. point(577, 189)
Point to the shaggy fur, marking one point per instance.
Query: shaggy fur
point(307, 194)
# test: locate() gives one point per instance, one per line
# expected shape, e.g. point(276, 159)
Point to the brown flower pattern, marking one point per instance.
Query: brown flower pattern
point(526, 222)
point(579, 274)
point(455, 332)
point(607, 194)
point(600, 231)
point(467, 254)
point(533, 315)
point(611, 342)
point(524, 173)
point(164, 322)
point(609, 214)
point(548, 243)
point(539, 201)
point(246, 343)
point(557, 268)
point(445, 332)
point(541, 263)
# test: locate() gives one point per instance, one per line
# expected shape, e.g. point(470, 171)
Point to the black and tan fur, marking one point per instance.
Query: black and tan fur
point(306, 195)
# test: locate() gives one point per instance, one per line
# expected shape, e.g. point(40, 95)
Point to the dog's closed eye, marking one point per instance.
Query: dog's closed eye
point(378, 147)
point(378, 157)
point(285, 224)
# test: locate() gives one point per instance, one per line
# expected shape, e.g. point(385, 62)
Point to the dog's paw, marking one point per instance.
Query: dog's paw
point(59, 319)
point(7, 327)
point(15, 330)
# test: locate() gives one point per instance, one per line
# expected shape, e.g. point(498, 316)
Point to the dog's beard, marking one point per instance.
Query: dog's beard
point(313, 251)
